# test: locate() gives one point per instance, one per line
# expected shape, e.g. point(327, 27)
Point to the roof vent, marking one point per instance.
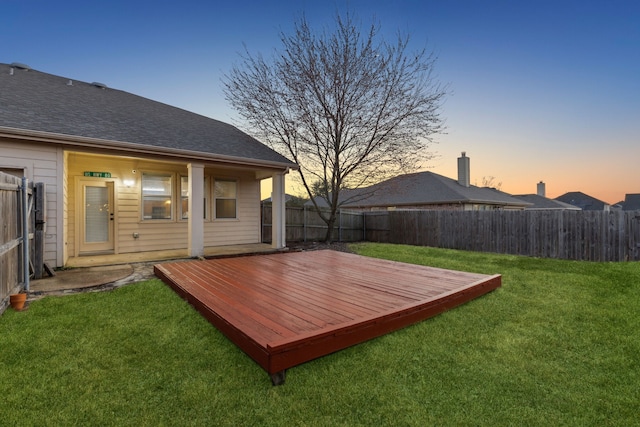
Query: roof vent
point(20, 66)
point(99, 85)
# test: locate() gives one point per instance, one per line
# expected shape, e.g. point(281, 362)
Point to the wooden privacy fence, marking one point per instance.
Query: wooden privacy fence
point(22, 234)
point(303, 224)
point(12, 253)
point(576, 235)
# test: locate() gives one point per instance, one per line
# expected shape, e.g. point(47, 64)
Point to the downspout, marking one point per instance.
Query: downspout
point(25, 232)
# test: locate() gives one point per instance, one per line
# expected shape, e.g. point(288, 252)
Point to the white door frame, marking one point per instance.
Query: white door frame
point(108, 246)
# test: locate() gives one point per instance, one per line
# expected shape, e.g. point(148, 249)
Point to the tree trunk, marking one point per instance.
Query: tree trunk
point(330, 225)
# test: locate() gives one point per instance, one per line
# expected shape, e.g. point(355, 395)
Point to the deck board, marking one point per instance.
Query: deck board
point(286, 309)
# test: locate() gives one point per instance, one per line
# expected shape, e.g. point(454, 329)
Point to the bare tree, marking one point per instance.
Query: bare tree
point(349, 108)
point(491, 182)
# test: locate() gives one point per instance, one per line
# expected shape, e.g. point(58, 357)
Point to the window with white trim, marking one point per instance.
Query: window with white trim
point(156, 196)
point(225, 198)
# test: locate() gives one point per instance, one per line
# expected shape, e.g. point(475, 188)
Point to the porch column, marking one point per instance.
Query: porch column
point(278, 231)
point(196, 207)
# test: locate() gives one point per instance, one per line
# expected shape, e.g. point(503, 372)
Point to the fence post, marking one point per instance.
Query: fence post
point(25, 232)
point(304, 223)
point(364, 226)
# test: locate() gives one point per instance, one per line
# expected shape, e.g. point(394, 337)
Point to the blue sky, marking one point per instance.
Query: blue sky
point(540, 90)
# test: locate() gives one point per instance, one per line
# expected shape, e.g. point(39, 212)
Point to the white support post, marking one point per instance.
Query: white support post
point(278, 219)
point(196, 209)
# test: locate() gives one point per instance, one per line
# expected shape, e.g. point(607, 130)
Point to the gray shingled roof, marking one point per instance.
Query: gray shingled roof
point(631, 202)
point(36, 101)
point(583, 201)
point(425, 188)
point(544, 203)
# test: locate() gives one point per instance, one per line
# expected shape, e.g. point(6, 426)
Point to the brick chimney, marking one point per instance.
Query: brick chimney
point(542, 189)
point(464, 170)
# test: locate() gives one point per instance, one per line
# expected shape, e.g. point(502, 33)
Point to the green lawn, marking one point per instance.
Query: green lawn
point(558, 344)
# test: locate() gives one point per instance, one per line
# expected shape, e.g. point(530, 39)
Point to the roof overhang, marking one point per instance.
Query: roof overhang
point(128, 148)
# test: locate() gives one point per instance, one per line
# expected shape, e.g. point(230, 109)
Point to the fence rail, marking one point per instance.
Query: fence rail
point(576, 235)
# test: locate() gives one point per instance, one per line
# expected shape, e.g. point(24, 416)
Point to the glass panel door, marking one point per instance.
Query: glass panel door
point(96, 216)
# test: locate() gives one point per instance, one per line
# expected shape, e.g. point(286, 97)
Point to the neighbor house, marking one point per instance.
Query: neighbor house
point(540, 201)
point(126, 174)
point(428, 190)
point(631, 202)
point(583, 201)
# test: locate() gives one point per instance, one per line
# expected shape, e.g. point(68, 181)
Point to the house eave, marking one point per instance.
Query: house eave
point(139, 149)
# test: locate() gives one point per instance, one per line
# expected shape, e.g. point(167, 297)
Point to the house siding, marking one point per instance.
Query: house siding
point(245, 228)
point(41, 163)
point(65, 208)
point(156, 235)
point(61, 171)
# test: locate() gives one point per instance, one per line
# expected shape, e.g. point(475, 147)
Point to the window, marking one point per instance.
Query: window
point(225, 193)
point(156, 196)
point(184, 197)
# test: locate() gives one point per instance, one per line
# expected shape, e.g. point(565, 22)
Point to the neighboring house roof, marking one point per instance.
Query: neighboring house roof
point(583, 201)
point(287, 198)
point(544, 203)
point(423, 188)
point(631, 202)
point(57, 107)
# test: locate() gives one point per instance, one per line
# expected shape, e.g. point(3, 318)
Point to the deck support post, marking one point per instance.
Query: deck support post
point(278, 219)
point(279, 377)
point(196, 207)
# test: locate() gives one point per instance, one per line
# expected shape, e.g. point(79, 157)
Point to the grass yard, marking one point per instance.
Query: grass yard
point(558, 344)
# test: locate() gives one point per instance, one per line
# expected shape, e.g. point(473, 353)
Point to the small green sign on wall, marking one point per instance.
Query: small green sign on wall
point(98, 174)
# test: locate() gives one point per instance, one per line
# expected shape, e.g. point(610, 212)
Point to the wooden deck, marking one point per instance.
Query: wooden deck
point(286, 309)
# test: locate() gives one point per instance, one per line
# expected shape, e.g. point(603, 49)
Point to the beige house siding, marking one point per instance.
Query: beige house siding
point(62, 170)
point(155, 235)
point(41, 163)
point(246, 227)
point(65, 207)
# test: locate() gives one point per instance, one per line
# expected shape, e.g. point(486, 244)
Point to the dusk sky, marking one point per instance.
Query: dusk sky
point(540, 90)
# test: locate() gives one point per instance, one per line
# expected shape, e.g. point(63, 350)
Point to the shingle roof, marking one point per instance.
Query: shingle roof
point(544, 203)
point(631, 202)
point(583, 201)
point(36, 101)
point(425, 188)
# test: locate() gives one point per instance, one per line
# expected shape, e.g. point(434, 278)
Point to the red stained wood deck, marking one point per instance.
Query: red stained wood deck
point(286, 309)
